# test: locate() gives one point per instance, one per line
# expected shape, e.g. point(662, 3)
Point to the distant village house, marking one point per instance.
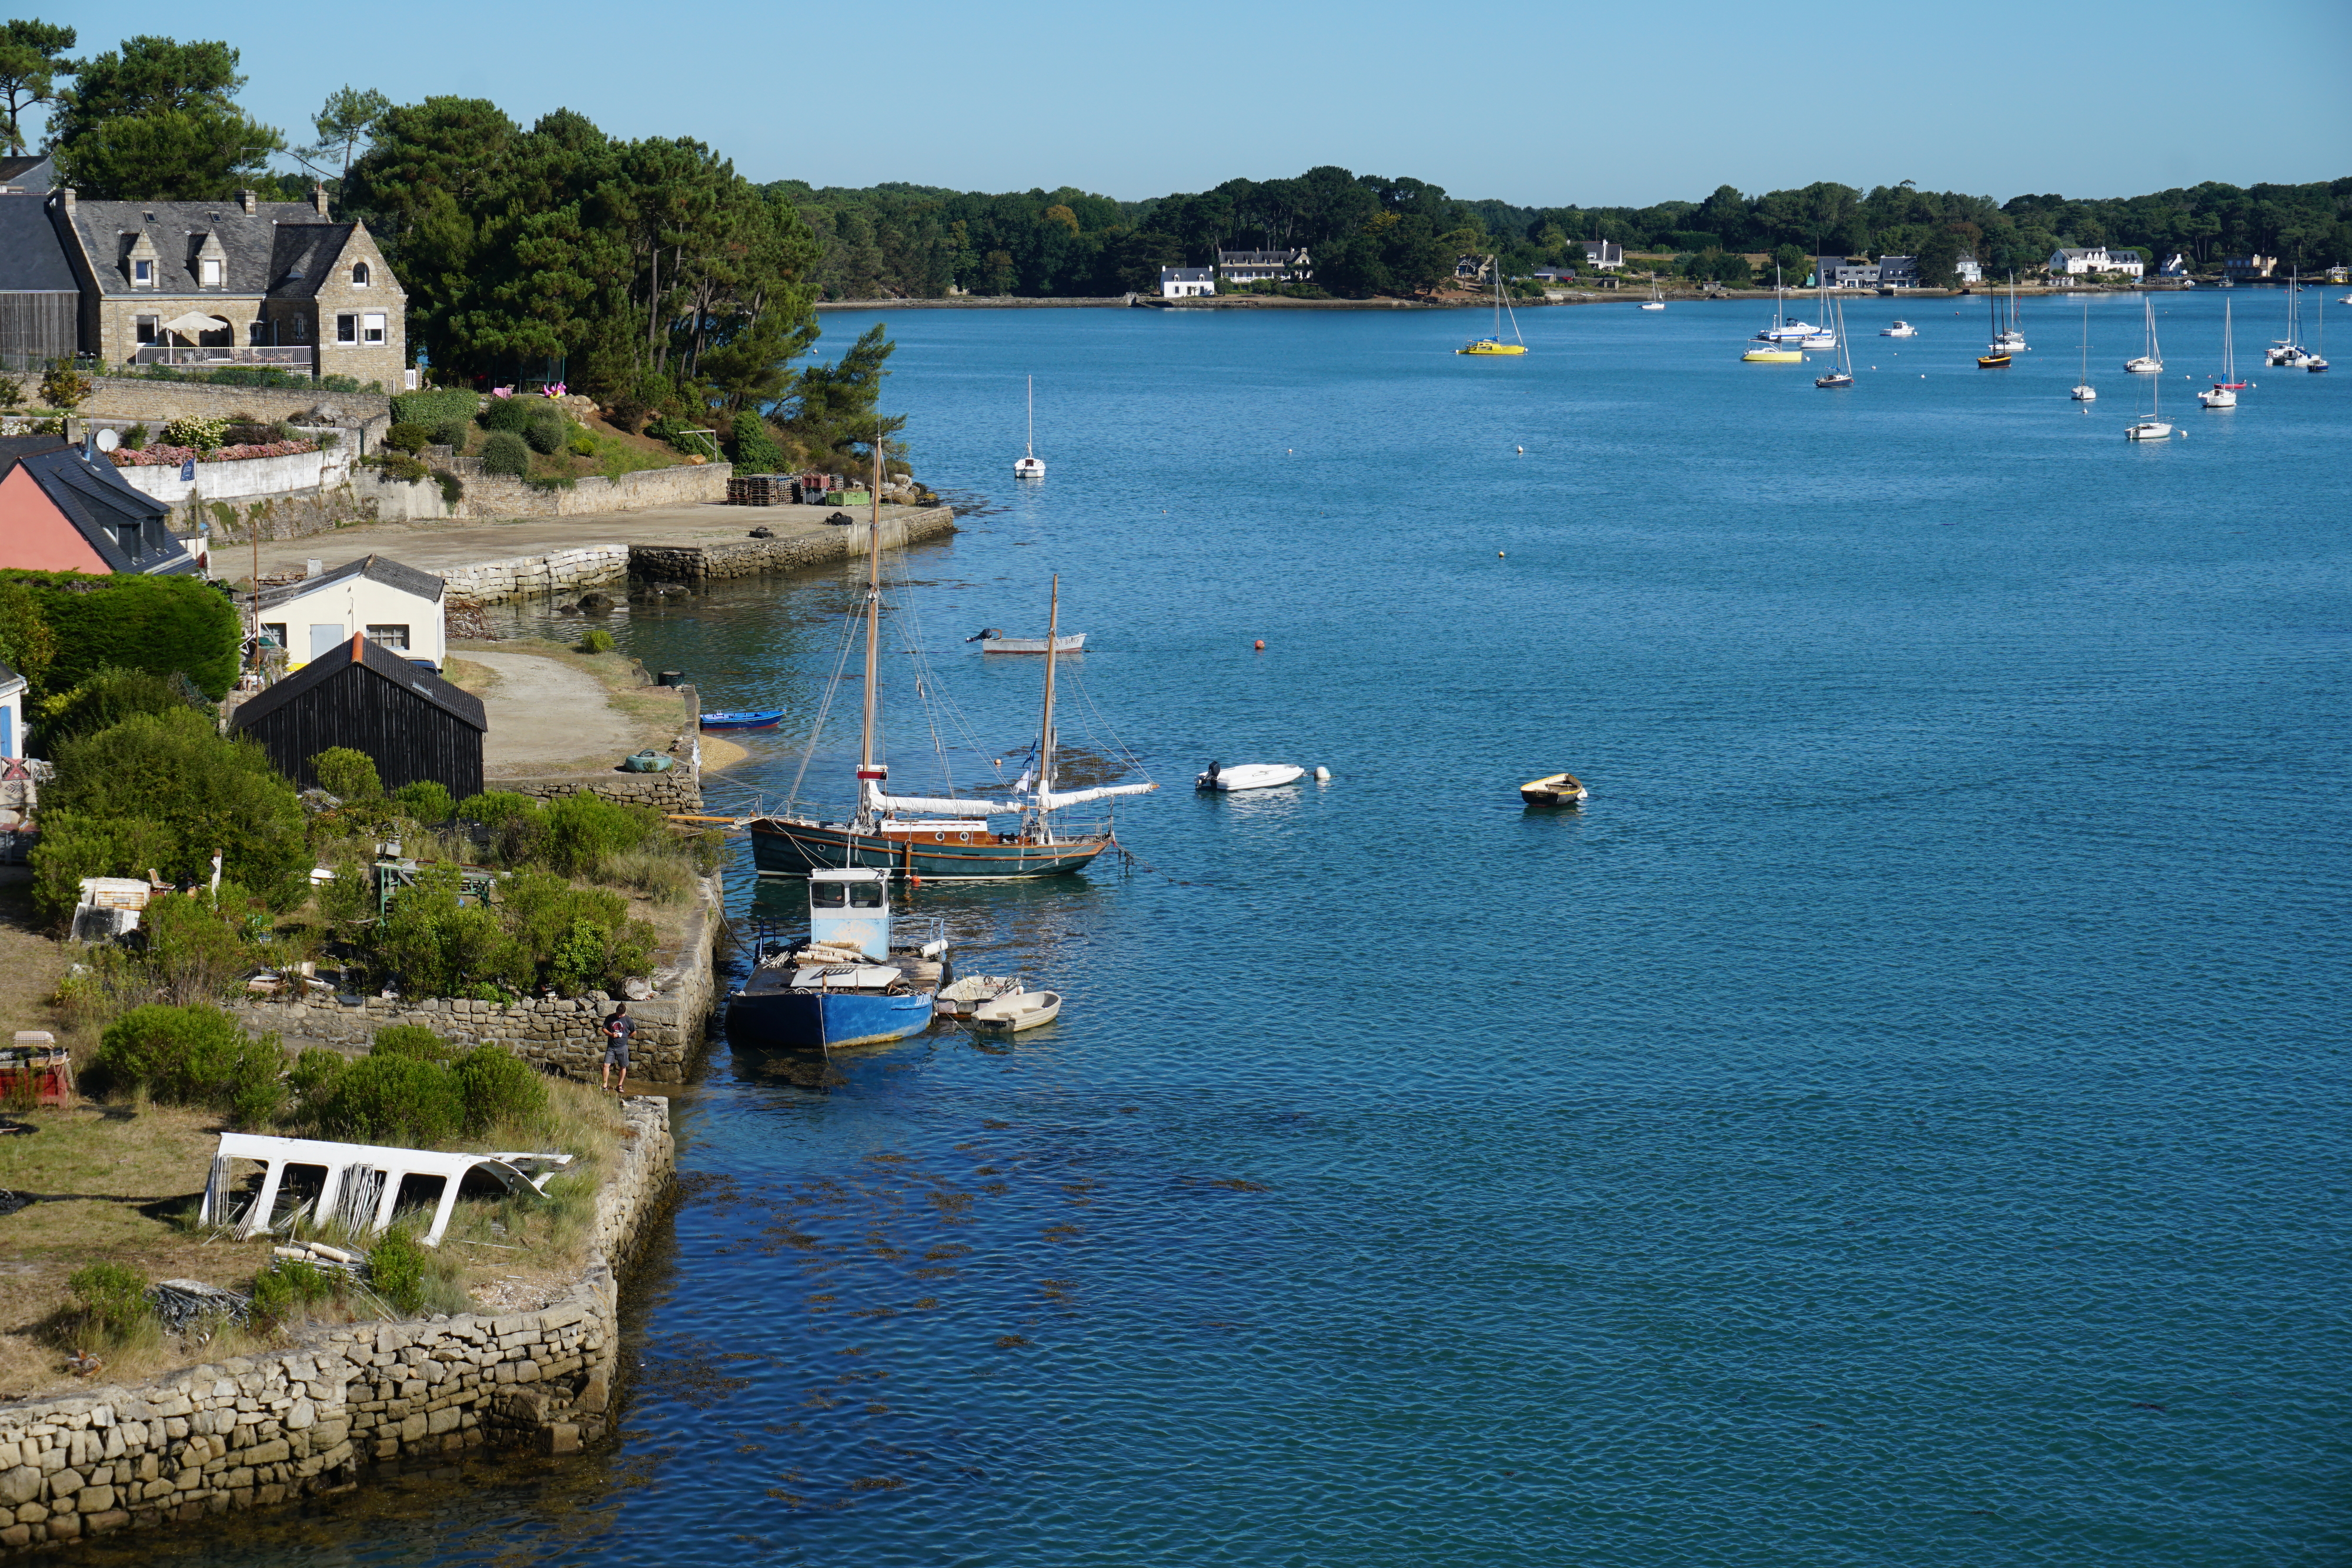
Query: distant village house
point(1187, 282)
point(2076, 261)
point(2242, 268)
point(1602, 253)
point(1264, 266)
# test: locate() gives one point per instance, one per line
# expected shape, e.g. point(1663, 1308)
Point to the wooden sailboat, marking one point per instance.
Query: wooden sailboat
point(1995, 357)
point(1494, 344)
point(938, 836)
point(1029, 465)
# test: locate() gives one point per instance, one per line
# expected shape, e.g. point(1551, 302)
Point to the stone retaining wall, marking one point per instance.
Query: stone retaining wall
point(257, 1431)
point(750, 556)
point(556, 1033)
point(488, 581)
point(679, 789)
point(504, 496)
point(136, 397)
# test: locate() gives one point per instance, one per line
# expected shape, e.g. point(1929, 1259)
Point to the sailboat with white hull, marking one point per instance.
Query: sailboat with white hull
point(1029, 465)
point(1841, 374)
point(2151, 362)
point(2084, 390)
point(2223, 392)
point(946, 837)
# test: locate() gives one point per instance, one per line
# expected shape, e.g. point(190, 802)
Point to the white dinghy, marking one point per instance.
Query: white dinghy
point(1248, 776)
point(1017, 1010)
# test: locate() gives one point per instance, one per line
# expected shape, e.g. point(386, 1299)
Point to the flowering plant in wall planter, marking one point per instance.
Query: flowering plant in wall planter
point(160, 457)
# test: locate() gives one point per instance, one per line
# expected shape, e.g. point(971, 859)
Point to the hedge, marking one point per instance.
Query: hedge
point(434, 408)
point(158, 623)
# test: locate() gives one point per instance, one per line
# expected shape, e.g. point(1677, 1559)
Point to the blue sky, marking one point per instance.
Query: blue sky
point(1544, 105)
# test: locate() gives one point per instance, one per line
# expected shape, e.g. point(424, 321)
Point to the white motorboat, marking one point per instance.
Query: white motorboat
point(1030, 465)
point(2084, 390)
point(1900, 329)
point(2151, 362)
point(1016, 1009)
point(1248, 776)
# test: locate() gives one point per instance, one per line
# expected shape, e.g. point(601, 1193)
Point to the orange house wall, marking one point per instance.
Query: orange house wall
point(35, 536)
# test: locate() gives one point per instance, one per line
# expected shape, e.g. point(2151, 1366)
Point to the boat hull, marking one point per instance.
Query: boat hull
point(755, 719)
point(1490, 349)
point(1556, 790)
point(785, 847)
point(787, 1019)
point(1071, 643)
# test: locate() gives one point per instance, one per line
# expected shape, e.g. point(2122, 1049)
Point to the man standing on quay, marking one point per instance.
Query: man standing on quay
point(618, 1031)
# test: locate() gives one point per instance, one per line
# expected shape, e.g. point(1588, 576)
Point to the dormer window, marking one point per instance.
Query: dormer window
point(143, 274)
point(359, 274)
point(208, 273)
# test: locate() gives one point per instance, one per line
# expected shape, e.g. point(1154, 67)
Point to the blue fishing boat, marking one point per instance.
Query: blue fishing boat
point(850, 982)
point(742, 718)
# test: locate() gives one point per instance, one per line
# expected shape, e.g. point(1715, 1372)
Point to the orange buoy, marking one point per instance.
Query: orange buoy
point(1260, 644)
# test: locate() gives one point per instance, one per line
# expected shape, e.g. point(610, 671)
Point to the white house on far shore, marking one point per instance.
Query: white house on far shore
point(1187, 282)
point(399, 608)
point(1264, 266)
point(2076, 261)
point(1602, 253)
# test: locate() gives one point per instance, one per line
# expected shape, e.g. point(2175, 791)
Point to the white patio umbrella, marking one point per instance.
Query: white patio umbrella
point(193, 322)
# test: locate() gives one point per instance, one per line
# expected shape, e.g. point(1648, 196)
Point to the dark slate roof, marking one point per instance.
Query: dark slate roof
point(250, 242)
point(304, 253)
point(102, 505)
point(454, 701)
point(36, 173)
point(389, 572)
point(32, 254)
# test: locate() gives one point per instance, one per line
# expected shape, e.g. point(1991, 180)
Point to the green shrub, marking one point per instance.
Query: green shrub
point(440, 947)
point(426, 800)
point(138, 622)
point(194, 1055)
point(397, 1272)
point(105, 699)
point(505, 453)
point(508, 413)
point(135, 439)
point(583, 445)
point(452, 432)
point(596, 640)
point(12, 392)
point(576, 938)
point(175, 772)
point(435, 407)
point(288, 1283)
point(585, 830)
point(400, 465)
point(548, 483)
point(412, 1040)
point(63, 386)
point(189, 430)
point(397, 1100)
point(113, 1298)
point(495, 806)
point(518, 825)
point(755, 448)
point(545, 431)
point(346, 774)
point(199, 948)
point(313, 1070)
point(409, 438)
point(498, 1086)
point(349, 898)
point(453, 489)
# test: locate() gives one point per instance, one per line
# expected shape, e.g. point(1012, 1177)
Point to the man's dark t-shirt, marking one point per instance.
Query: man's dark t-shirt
point(618, 1031)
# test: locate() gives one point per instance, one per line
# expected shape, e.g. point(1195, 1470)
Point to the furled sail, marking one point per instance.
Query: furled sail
point(939, 806)
point(1054, 799)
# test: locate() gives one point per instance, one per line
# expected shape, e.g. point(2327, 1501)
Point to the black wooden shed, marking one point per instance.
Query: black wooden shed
point(410, 721)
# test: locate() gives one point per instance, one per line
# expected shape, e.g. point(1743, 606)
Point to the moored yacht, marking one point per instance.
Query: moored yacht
point(1900, 329)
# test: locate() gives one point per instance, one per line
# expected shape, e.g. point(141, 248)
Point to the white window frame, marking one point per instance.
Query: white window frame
point(347, 326)
point(146, 329)
point(209, 270)
point(390, 636)
point(143, 272)
point(374, 326)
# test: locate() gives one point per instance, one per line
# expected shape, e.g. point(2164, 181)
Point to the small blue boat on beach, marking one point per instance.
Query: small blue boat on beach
point(849, 983)
point(742, 718)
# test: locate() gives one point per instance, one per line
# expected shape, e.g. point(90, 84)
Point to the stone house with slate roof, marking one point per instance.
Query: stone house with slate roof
point(285, 285)
point(40, 298)
point(60, 511)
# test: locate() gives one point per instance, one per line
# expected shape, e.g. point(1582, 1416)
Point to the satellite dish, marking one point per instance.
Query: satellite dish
point(108, 440)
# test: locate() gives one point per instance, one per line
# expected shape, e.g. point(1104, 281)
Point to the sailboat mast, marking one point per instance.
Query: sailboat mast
point(1046, 727)
point(873, 623)
point(1031, 448)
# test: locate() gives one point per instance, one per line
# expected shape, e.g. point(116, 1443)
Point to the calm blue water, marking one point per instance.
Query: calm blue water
point(1901, 1120)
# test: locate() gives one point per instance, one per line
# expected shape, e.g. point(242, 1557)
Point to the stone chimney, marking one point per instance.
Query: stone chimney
point(319, 199)
point(66, 194)
point(245, 200)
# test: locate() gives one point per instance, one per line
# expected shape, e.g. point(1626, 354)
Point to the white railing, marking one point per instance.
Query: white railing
point(227, 354)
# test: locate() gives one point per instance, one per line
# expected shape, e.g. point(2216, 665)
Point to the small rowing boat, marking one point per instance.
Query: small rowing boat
point(1017, 1010)
point(994, 641)
point(742, 718)
point(1248, 776)
point(1553, 789)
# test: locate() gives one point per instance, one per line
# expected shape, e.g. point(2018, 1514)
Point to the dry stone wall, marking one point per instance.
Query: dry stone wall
point(557, 1034)
point(504, 496)
point(153, 401)
point(253, 1431)
point(750, 556)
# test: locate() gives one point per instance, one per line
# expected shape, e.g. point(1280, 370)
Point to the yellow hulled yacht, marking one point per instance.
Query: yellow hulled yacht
point(1492, 343)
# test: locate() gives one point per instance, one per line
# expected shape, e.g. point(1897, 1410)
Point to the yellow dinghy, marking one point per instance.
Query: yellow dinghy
point(1489, 345)
point(1772, 354)
point(1553, 789)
